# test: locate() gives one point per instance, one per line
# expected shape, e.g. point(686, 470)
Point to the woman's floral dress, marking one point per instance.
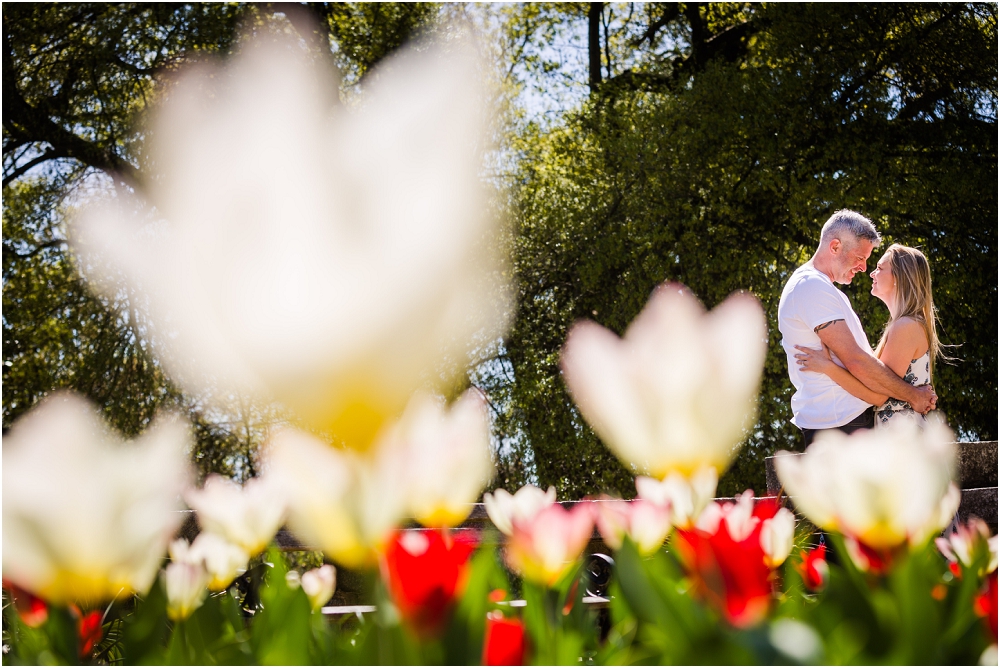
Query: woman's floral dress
point(917, 374)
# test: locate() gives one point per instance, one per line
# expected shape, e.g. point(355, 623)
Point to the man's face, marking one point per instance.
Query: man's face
point(852, 257)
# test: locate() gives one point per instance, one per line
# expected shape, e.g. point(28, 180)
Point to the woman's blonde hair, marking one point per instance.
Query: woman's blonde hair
point(913, 295)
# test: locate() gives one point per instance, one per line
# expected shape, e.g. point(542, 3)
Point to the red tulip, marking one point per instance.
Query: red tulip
point(31, 609)
point(426, 571)
point(504, 644)
point(89, 627)
point(813, 569)
point(724, 557)
point(986, 605)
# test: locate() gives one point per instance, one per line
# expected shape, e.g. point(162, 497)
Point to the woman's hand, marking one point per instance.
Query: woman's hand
point(817, 361)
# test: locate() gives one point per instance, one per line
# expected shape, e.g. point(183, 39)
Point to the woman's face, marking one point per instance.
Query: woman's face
point(883, 282)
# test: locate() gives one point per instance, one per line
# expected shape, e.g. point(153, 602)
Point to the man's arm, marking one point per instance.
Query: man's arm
point(843, 377)
point(836, 336)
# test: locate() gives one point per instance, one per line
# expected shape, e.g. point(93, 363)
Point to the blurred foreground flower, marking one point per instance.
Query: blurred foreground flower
point(448, 455)
point(426, 571)
point(319, 585)
point(678, 391)
point(969, 543)
point(644, 522)
point(221, 560)
point(504, 508)
point(546, 546)
point(331, 259)
point(430, 465)
point(505, 643)
point(248, 516)
point(726, 557)
point(87, 518)
point(881, 488)
point(344, 503)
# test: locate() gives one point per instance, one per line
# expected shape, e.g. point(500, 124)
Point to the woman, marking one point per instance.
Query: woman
point(909, 344)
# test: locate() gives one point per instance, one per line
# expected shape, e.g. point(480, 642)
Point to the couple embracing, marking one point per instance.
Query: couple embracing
point(840, 382)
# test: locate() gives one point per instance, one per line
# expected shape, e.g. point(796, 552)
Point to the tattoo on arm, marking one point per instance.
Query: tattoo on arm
point(827, 324)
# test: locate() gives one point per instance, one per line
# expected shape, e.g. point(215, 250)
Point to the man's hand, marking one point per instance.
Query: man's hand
point(927, 401)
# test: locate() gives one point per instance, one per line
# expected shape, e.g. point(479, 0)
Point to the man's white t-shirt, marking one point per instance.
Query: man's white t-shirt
point(809, 299)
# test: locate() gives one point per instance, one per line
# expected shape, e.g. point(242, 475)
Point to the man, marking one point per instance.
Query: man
point(812, 312)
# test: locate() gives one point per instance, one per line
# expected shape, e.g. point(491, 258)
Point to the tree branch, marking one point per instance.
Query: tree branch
point(23, 120)
point(49, 154)
point(671, 10)
point(51, 243)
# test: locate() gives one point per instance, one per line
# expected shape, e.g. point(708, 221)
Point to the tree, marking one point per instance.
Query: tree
point(714, 158)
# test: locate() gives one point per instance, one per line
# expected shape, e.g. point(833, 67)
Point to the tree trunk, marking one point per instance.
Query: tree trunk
point(594, 42)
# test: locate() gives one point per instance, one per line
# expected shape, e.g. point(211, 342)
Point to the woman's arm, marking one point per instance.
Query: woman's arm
point(819, 361)
point(905, 341)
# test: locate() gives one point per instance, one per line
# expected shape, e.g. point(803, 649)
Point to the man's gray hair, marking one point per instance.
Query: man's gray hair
point(853, 222)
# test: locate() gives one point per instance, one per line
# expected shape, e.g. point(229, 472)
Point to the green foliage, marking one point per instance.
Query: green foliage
point(55, 333)
point(918, 614)
point(53, 643)
point(364, 33)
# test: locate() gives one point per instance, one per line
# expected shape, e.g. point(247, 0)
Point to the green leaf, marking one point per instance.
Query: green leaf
point(281, 629)
point(147, 628)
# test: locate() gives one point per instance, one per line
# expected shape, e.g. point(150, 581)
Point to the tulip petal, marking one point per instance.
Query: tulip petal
point(86, 518)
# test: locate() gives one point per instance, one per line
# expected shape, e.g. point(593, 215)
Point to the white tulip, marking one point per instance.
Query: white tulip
point(248, 516)
point(319, 585)
point(292, 249)
point(739, 518)
point(883, 487)
point(777, 535)
point(544, 547)
point(187, 586)
point(649, 525)
point(222, 560)
point(677, 393)
point(448, 455)
point(645, 523)
point(710, 518)
point(685, 497)
point(342, 502)
point(87, 518)
point(968, 542)
point(504, 508)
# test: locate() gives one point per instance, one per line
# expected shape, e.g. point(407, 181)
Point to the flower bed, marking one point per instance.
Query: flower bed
point(348, 312)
